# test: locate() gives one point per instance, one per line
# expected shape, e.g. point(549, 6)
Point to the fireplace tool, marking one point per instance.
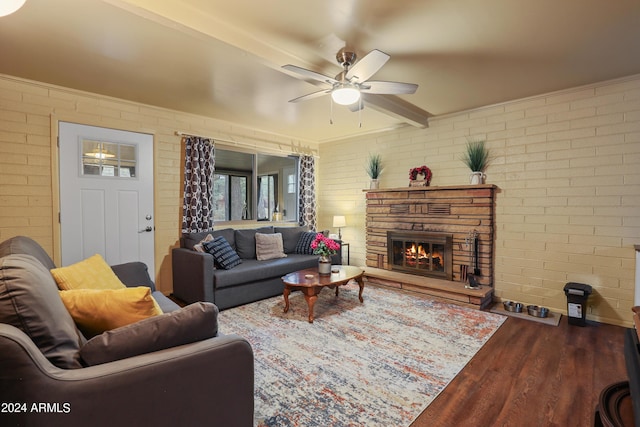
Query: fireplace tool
point(476, 252)
point(463, 267)
point(474, 264)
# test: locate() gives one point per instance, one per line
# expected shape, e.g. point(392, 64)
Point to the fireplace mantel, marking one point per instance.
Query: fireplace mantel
point(463, 211)
point(430, 188)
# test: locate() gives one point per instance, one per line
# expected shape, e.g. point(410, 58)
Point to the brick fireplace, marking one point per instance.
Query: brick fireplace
point(459, 218)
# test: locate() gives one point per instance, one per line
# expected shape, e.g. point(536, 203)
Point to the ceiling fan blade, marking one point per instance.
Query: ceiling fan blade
point(310, 74)
point(388, 88)
point(367, 66)
point(311, 95)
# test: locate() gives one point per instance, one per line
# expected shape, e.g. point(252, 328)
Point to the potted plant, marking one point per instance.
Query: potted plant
point(476, 157)
point(374, 168)
point(325, 247)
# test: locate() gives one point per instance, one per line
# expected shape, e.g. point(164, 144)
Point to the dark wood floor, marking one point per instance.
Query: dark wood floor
point(531, 374)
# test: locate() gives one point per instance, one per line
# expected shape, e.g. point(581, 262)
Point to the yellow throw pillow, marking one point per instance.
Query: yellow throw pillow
point(91, 273)
point(99, 310)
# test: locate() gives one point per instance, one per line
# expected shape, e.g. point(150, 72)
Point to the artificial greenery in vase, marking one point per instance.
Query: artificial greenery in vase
point(476, 157)
point(374, 169)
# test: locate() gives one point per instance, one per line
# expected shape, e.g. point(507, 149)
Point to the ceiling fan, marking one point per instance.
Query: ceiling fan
point(348, 86)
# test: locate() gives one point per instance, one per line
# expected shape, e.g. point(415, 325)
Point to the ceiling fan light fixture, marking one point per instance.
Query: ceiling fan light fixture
point(345, 95)
point(7, 7)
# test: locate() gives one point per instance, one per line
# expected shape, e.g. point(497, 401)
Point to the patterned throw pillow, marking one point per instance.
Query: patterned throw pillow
point(304, 243)
point(222, 252)
point(198, 246)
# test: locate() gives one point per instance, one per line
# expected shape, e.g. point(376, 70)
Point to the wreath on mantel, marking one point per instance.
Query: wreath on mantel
point(420, 170)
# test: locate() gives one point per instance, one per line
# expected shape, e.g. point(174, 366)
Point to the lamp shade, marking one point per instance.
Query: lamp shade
point(7, 7)
point(339, 221)
point(345, 95)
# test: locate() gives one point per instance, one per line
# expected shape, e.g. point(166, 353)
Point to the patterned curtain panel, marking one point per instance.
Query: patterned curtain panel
point(198, 185)
point(307, 195)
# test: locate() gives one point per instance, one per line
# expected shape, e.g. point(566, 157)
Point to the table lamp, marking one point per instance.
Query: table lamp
point(339, 221)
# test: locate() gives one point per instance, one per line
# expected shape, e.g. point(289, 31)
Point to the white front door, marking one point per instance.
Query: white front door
point(106, 195)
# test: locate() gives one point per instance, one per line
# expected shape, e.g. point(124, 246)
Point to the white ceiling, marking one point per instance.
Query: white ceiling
point(223, 58)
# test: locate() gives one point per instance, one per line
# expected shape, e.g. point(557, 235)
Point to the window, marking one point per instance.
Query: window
point(108, 159)
point(258, 187)
point(230, 197)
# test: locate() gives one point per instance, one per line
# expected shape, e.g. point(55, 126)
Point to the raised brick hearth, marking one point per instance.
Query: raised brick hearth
point(462, 211)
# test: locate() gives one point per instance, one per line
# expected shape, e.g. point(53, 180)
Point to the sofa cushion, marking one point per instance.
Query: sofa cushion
point(29, 301)
point(192, 323)
point(136, 273)
point(252, 270)
point(167, 305)
point(246, 241)
point(91, 273)
point(290, 237)
point(223, 254)
point(133, 274)
point(304, 242)
point(28, 246)
point(99, 310)
point(189, 240)
point(269, 246)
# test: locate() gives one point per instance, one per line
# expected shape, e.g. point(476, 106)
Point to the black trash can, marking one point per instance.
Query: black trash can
point(577, 295)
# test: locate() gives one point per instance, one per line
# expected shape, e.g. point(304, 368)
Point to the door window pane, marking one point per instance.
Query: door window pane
point(108, 159)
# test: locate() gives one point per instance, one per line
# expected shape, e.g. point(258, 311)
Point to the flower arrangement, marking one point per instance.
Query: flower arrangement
point(324, 246)
point(420, 170)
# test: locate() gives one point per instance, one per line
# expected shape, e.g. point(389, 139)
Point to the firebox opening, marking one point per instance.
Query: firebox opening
point(428, 254)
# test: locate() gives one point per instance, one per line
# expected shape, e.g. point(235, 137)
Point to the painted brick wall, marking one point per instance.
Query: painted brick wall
point(567, 167)
point(27, 196)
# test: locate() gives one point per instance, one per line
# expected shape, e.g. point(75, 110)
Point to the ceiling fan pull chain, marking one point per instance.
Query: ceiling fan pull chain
point(330, 111)
point(360, 112)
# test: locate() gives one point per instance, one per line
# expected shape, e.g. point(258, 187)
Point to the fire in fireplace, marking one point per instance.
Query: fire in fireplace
point(427, 254)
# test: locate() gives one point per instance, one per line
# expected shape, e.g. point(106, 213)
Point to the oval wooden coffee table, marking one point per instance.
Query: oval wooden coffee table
point(311, 283)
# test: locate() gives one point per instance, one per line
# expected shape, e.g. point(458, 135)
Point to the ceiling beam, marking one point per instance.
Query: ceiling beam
point(399, 108)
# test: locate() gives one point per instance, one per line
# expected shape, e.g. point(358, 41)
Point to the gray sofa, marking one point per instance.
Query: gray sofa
point(196, 278)
point(46, 380)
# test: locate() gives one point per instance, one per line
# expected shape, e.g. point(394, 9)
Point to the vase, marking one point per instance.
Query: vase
point(374, 184)
point(477, 178)
point(324, 266)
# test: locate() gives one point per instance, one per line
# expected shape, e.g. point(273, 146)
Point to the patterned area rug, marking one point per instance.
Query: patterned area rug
point(380, 363)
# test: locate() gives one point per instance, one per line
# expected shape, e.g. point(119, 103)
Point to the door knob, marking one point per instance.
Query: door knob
point(147, 229)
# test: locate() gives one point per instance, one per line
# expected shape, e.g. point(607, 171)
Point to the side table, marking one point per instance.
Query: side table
point(342, 245)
